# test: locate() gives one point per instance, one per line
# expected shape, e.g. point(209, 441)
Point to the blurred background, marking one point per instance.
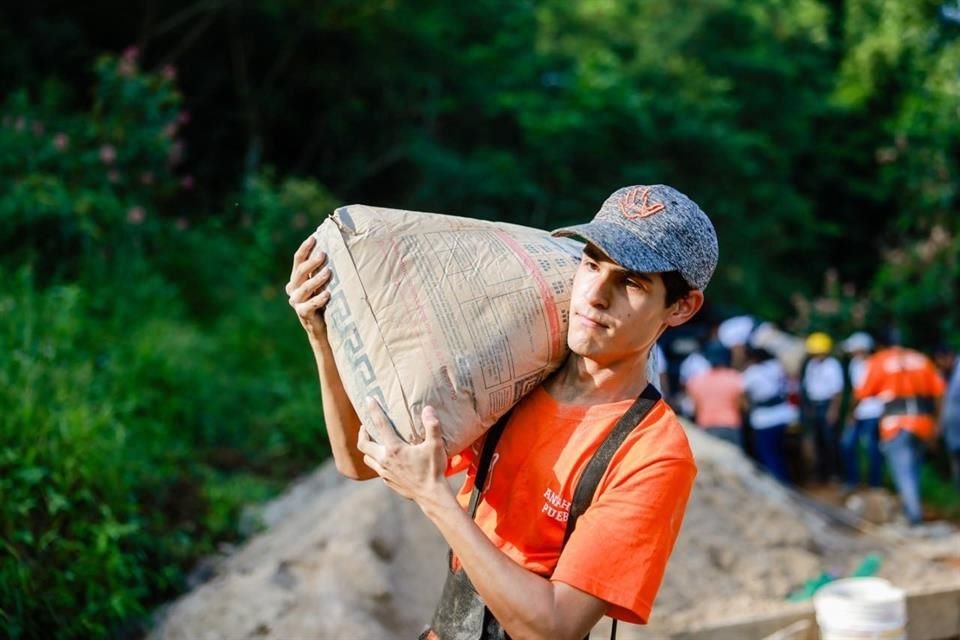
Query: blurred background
point(160, 162)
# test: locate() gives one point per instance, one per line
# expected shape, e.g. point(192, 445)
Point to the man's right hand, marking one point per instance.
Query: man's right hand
point(307, 288)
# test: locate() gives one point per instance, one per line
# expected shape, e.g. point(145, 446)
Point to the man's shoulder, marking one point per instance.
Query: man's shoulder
point(661, 434)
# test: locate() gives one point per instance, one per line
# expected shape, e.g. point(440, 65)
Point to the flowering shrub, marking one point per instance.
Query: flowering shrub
point(153, 378)
point(83, 182)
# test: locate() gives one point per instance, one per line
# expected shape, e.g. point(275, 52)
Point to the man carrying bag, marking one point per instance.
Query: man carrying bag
point(593, 446)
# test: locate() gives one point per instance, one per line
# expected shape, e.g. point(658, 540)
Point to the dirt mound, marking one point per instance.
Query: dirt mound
point(352, 560)
point(746, 544)
point(340, 559)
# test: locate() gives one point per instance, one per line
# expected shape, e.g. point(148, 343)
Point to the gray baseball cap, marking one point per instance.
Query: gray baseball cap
point(653, 229)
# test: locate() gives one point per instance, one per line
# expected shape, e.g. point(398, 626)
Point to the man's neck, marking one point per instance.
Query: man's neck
point(584, 381)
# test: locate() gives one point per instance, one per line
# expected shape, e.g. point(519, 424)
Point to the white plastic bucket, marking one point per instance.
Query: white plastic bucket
point(861, 609)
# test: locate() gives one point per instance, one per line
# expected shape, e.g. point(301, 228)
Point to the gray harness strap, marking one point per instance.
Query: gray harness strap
point(461, 614)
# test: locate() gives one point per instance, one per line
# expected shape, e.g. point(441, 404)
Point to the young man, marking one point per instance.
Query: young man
point(520, 570)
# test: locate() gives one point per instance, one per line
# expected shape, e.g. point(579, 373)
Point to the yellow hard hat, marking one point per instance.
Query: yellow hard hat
point(819, 344)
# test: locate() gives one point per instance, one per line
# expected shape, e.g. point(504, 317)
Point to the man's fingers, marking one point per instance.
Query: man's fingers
point(303, 293)
point(431, 424)
point(303, 251)
point(373, 464)
point(301, 270)
point(367, 445)
point(321, 278)
point(383, 430)
point(305, 289)
point(303, 273)
point(313, 304)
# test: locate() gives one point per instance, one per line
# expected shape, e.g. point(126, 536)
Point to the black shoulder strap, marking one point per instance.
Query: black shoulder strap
point(483, 465)
point(590, 478)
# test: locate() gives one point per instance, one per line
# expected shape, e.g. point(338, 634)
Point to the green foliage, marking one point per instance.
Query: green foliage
point(900, 67)
point(154, 379)
point(939, 492)
point(815, 133)
point(75, 538)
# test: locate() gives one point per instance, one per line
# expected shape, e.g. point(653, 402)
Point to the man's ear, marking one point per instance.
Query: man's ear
point(685, 308)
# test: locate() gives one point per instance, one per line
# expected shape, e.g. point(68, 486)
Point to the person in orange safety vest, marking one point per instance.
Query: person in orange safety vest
point(911, 388)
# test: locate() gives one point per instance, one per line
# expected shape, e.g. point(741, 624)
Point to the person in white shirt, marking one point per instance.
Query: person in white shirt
point(657, 370)
point(765, 389)
point(864, 426)
point(690, 367)
point(821, 389)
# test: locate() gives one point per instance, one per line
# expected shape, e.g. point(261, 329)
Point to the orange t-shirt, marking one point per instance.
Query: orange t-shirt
point(901, 373)
point(716, 397)
point(622, 542)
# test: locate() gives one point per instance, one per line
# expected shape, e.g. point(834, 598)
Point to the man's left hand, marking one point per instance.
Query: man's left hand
point(416, 470)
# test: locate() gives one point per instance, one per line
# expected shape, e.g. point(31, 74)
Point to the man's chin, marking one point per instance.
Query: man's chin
point(584, 348)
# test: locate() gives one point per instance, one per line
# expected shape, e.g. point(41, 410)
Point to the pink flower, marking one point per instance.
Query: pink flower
point(186, 182)
point(19, 123)
point(113, 176)
point(128, 61)
point(183, 117)
point(181, 224)
point(136, 215)
point(37, 128)
point(108, 154)
point(169, 72)
point(170, 130)
point(299, 220)
point(146, 177)
point(61, 141)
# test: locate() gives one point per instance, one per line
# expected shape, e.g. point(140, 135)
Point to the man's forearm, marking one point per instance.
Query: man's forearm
point(342, 423)
point(525, 604)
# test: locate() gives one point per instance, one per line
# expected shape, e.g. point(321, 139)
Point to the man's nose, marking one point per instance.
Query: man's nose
point(598, 292)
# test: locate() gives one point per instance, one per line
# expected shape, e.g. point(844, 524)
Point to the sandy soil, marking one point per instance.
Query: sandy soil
point(352, 560)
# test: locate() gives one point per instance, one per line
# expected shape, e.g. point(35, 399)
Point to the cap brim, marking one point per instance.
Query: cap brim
point(623, 247)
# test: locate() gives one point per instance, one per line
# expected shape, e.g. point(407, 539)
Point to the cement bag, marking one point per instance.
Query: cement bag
point(465, 315)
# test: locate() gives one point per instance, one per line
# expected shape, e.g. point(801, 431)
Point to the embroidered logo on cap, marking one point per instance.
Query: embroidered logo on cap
point(635, 203)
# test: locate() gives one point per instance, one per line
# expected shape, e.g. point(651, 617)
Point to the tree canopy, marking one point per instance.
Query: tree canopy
point(816, 133)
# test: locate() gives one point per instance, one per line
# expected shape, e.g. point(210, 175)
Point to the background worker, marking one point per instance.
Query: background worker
point(864, 424)
point(650, 253)
point(717, 396)
point(693, 365)
point(911, 387)
point(821, 391)
point(770, 412)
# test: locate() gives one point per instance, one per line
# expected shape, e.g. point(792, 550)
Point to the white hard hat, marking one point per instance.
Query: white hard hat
point(735, 331)
point(859, 341)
